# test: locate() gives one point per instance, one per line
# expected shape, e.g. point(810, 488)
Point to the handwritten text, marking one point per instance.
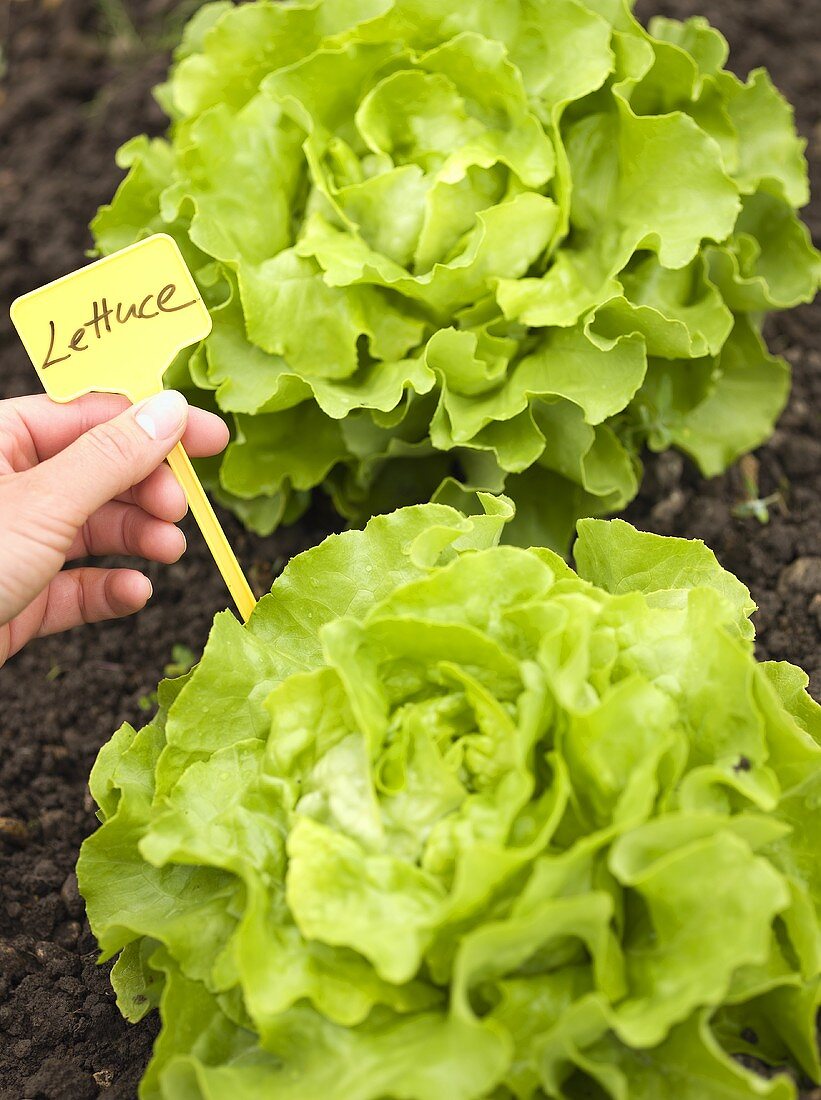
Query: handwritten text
point(105, 318)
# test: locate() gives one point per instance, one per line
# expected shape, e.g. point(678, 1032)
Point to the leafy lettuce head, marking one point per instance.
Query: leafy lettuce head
point(496, 244)
point(447, 820)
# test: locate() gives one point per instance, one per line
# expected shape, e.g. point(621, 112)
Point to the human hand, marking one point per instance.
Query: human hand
point(85, 479)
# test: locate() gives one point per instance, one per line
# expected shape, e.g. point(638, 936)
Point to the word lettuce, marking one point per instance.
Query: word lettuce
point(447, 819)
point(494, 244)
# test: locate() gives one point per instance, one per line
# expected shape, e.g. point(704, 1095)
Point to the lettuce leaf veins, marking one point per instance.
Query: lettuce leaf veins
point(447, 819)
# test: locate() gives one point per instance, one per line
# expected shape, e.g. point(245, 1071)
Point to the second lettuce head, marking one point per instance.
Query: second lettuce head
point(448, 821)
point(500, 244)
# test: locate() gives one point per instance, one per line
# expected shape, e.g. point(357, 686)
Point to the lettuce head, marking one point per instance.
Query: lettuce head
point(493, 244)
point(448, 821)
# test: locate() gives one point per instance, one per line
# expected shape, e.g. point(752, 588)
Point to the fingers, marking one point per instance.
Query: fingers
point(160, 494)
point(106, 461)
point(91, 596)
point(74, 597)
point(41, 428)
point(119, 528)
point(206, 434)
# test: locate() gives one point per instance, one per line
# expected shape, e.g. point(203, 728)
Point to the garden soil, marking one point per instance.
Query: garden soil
point(77, 84)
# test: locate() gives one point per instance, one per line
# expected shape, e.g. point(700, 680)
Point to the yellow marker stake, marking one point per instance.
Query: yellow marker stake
point(115, 327)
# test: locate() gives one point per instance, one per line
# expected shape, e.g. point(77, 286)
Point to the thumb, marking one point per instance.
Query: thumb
point(111, 457)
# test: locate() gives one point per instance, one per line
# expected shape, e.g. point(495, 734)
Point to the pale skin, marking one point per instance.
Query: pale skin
point(88, 479)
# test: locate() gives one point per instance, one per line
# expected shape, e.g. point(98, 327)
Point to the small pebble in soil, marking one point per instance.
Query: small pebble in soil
point(67, 935)
point(803, 575)
point(70, 896)
point(13, 832)
point(815, 608)
point(22, 1048)
point(52, 822)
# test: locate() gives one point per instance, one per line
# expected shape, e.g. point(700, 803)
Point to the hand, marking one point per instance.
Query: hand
point(84, 479)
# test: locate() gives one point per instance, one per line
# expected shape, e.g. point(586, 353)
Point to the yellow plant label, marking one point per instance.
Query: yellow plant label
point(114, 326)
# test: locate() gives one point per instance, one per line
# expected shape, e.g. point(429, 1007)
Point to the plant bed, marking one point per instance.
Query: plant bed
point(74, 91)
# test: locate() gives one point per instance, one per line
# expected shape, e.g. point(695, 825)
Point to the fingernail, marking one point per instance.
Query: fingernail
point(162, 416)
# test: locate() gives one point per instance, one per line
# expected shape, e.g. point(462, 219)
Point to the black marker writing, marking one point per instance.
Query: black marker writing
point(99, 325)
point(101, 313)
point(166, 293)
point(60, 359)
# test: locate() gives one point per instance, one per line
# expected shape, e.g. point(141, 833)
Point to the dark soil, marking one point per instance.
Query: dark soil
point(77, 85)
